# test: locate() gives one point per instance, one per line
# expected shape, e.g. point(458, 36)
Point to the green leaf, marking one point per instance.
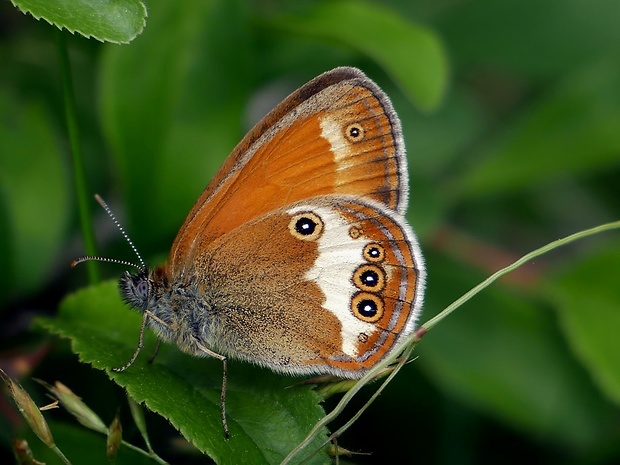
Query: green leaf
point(502, 354)
point(268, 414)
point(574, 130)
point(116, 21)
point(535, 39)
point(34, 194)
point(410, 53)
point(588, 302)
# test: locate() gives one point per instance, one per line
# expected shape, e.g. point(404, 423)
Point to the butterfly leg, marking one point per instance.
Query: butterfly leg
point(133, 358)
point(222, 359)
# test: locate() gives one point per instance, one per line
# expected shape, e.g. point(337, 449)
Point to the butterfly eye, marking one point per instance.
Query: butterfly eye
point(374, 253)
point(369, 278)
point(354, 132)
point(306, 226)
point(142, 289)
point(367, 307)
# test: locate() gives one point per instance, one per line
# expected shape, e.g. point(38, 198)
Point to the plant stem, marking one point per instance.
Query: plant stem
point(79, 173)
point(60, 454)
point(138, 418)
point(149, 454)
point(423, 329)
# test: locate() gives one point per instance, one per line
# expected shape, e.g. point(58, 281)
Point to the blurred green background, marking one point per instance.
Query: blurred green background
point(523, 147)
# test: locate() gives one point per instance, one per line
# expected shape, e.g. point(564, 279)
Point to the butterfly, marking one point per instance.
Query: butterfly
point(297, 255)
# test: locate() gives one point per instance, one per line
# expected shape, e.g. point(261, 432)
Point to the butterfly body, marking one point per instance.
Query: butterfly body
point(297, 256)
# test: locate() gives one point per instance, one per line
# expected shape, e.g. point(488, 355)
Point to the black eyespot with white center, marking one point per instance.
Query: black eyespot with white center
point(374, 253)
point(354, 132)
point(369, 278)
point(306, 226)
point(367, 307)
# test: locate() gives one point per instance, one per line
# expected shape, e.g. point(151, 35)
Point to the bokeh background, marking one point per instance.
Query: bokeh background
point(523, 148)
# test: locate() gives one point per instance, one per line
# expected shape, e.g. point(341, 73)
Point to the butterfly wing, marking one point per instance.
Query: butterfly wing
point(328, 285)
point(338, 134)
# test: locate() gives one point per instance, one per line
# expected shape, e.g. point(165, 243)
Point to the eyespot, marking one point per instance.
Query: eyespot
point(374, 253)
point(306, 226)
point(354, 132)
point(369, 278)
point(355, 232)
point(367, 307)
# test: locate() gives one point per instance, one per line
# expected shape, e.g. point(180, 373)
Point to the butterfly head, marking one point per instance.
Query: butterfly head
point(135, 288)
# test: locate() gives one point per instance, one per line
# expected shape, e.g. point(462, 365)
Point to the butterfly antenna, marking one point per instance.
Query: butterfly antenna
point(107, 209)
point(86, 258)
